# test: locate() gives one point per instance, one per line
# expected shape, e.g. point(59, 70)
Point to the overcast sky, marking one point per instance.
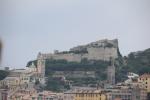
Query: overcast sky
point(31, 26)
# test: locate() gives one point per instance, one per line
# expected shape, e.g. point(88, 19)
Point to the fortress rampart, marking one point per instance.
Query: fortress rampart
point(100, 50)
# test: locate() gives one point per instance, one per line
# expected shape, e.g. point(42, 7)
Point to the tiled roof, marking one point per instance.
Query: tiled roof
point(145, 75)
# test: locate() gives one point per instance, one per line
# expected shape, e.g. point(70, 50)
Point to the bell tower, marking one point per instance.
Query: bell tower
point(41, 68)
point(41, 65)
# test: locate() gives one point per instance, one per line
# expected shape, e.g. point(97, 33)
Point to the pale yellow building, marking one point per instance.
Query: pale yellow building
point(144, 81)
point(12, 81)
point(90, 95)
point(23, 94)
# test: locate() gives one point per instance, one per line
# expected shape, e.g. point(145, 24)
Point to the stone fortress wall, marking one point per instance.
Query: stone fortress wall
point(68, 57)
point(99, 50)
point(101, 53)
point(75, 74)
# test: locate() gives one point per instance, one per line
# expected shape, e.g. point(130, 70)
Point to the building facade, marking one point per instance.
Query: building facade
point(144, 81)
point(90, 95)
point(126, 93)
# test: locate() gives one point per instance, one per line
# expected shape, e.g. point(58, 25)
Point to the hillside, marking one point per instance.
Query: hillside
point(84, 65)
point(64, 69)
point(3, 74)
point(138, 62)
point(78, 73)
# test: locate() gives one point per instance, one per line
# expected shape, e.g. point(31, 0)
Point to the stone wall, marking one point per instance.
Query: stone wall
point(68, 57)
point(101, 53)
point(93, 54)
point(95, 51)
point(75, 74)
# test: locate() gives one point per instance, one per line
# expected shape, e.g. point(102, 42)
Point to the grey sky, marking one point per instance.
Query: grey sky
point(30, 26)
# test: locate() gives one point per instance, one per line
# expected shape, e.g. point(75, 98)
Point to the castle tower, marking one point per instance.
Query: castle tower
point(41, 71)
point(111, 72)
point(41, 66)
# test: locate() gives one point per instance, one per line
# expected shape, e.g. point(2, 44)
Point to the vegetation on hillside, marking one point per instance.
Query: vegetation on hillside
point(99, 67)
point(30, 63)
point(139, 62)
point(84, 65)
point(83, 51)
point(56, 84)
point(3, 74)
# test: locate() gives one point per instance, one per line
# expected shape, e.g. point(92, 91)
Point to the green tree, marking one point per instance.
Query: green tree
point(3, 74)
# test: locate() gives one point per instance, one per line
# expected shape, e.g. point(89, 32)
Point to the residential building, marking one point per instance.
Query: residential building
point(85, 94)
point(69, 95)
point(144, 81)
point(90, 95)
point(126, 93)
point(47, 95)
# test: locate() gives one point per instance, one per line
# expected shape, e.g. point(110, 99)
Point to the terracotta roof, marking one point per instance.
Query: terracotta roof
point(145, 75)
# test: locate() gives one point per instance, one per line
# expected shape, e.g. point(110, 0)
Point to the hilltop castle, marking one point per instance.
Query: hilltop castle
point(99, 50)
